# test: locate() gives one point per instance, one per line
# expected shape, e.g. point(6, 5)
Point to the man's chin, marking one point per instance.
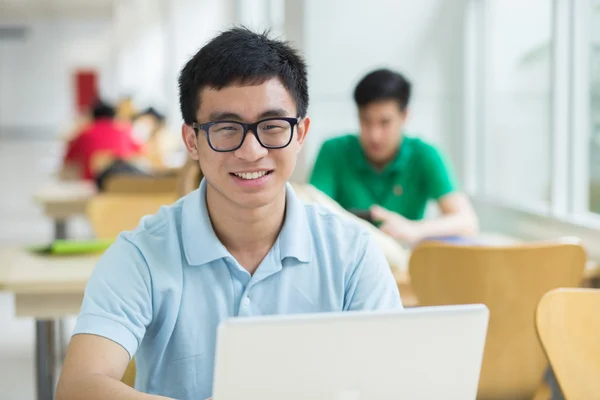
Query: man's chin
point(257, 198)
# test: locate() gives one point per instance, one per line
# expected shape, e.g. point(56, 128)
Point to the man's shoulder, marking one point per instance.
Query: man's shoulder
point(421, 146)
point(156, 232)
point(341, 143)
point(330, 226)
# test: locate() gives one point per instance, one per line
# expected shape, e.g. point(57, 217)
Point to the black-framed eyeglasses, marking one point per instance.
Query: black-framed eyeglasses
point(271, 133)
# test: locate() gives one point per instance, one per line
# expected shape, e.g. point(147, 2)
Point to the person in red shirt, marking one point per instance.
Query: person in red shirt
point(104, 135)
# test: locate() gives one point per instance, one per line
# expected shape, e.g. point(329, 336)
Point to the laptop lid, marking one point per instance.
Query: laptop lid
point(417, 353)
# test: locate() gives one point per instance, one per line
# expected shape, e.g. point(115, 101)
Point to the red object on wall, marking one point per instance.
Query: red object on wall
point(86, 89)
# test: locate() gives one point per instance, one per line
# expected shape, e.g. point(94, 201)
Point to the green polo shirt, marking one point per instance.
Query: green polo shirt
point(418, 173)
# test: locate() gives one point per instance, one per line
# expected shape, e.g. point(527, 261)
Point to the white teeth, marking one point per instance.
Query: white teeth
point(251, 175)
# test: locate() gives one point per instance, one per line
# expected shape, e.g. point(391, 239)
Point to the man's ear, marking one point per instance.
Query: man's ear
point(302, 130)
point(190, 139)
point(405, 114)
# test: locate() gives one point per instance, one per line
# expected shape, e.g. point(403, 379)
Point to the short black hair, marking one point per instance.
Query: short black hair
point(241, 56)
point(383, 84)
point(103, 110)
point(151, 111)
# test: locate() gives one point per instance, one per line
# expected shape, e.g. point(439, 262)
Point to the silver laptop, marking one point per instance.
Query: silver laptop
point(418, 353)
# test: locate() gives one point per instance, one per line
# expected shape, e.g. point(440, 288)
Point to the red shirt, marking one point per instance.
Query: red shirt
point(103, 135)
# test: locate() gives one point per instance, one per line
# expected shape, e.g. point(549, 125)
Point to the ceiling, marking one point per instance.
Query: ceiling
point(17, 10)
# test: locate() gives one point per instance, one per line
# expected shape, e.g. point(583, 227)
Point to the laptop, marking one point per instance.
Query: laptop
point(417, 353)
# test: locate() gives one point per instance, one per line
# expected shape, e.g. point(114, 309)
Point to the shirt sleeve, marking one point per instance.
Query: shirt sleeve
point(117, 303)
point(323, 175)
point(73, 150)
point(371, 285)
point(438, 174)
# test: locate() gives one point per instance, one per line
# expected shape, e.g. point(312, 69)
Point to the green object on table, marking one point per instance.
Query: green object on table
point(72, 247)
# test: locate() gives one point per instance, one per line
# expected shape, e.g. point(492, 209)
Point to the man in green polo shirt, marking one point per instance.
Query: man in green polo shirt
point(388, 173)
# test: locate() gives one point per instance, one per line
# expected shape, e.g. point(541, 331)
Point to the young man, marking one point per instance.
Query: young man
point(240, 245)
point(389, 173)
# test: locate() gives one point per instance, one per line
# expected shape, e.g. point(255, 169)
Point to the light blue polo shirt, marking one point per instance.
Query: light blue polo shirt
point(161, 290)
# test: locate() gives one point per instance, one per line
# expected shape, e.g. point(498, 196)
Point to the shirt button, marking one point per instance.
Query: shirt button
point(246, 301)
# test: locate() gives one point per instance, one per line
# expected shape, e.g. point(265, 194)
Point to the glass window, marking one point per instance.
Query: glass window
point(517, 118)
point(594, 160)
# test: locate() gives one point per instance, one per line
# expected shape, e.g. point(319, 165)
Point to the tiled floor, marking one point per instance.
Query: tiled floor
point(24, 166)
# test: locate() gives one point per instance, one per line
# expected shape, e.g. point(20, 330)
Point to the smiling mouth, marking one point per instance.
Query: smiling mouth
point(251, 175)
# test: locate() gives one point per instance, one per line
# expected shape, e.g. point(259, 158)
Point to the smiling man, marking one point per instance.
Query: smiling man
point(242, 244)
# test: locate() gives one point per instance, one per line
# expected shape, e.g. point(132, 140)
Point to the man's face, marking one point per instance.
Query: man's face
point(381, 124)
point(251, 176)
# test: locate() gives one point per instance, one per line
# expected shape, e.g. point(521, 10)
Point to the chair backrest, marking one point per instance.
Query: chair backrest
point(141, 184)
point(129, 375)
point(510, 280)
point(568, 325)
point(110, 214)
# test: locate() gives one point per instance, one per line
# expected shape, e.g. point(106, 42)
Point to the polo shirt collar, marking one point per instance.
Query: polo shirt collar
point(201, 245)
point(295, 238)
point(399, 162)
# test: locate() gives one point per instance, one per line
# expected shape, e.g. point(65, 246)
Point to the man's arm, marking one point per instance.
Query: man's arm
point(371, 285)
point(93, 369)
point(458, 219)
point(116, 310)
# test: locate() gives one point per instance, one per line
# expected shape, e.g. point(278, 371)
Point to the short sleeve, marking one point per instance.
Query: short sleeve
point(117, 303)
point(438, 173)
point(73, 149)
point(323, 175)
point(371, 285)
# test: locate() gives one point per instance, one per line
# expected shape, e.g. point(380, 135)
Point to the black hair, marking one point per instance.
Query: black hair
point(383, 84)
point(152, 112)
point(241, 56)
point(103, 110)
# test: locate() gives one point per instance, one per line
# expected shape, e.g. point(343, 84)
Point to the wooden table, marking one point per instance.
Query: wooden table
point(64, 199)
point(45, 288)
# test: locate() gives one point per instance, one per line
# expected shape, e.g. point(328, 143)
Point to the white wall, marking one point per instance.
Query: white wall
point(343, 40)
point(154, 39)
point(139, 51)
point(36, 82)
point(193, 23)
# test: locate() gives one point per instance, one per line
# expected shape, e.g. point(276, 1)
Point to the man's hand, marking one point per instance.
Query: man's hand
point(396, 225)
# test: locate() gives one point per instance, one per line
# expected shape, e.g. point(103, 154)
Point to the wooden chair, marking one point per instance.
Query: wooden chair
point(510, 280)
point(568, 325)
point(141, 184)
point(129, 375)
point(109, 214)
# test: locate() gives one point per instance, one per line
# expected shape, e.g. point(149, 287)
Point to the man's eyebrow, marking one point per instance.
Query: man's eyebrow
point(227, 115)
point(278, 112)
point(224, 115)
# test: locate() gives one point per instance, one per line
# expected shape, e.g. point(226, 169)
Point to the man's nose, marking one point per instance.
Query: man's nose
point(251, 149)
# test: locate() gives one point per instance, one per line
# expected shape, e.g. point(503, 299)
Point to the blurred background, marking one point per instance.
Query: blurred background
point(509, 89)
